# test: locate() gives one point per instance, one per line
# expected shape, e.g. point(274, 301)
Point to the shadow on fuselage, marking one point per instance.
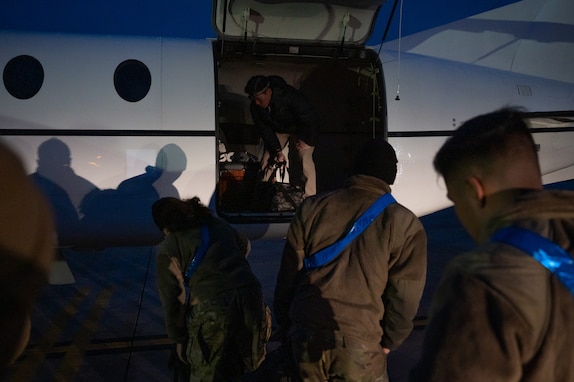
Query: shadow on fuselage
point(122, 216)
point(92, 218)
point(63, 188)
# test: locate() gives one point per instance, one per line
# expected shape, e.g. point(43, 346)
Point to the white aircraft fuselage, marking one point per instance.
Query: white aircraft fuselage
point(142, 118)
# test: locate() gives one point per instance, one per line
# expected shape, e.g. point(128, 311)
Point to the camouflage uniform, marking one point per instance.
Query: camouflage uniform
point(226, 308)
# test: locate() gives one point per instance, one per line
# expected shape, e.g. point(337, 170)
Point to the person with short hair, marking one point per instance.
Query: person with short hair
point(343, 317)
point(279, 112)
point(212, 301)
point(498, 314)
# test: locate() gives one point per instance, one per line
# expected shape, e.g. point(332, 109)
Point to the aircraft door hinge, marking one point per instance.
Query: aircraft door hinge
point(344, 25)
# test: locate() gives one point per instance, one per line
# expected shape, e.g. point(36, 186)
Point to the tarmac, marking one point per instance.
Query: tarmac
point(101, 319)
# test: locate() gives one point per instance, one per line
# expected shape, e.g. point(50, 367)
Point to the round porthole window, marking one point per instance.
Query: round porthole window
point(23, 77)
point(132, 80)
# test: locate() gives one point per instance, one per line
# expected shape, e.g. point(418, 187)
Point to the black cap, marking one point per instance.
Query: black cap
point(377, 158)
point(256, 85)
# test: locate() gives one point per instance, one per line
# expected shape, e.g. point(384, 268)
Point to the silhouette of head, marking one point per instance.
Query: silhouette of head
point(377, 158)
point(53, 154)
point(171, 158)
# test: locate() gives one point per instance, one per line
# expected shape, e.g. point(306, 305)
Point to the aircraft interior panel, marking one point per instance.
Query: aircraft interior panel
point(348, 95)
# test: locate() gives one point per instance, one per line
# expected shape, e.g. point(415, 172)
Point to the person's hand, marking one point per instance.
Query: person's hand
point(180, 353)
point(280, 157)
point(301, 145)
point(175, 269)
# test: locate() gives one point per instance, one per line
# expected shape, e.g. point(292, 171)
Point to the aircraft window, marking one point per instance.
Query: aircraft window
point(132, 80)
point(23, 76)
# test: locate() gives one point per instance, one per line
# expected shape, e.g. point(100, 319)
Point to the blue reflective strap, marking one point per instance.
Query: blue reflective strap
point(546, 252)
point(199, 253)
point(327, 254)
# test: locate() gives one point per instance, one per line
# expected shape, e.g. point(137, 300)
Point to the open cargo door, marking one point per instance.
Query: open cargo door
point(317, 47)
point(305, 21)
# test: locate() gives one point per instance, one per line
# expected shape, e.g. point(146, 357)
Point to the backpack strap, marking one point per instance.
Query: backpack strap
point(324, 256)
point(199, 253)
point(552, 256)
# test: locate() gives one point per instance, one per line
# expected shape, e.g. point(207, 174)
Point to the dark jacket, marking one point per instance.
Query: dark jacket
point(223, 268)
point(498, 315)
point(290, 112)
point(373, 288)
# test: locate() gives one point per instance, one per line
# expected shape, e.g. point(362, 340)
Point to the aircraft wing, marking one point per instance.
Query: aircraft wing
point(532, 37)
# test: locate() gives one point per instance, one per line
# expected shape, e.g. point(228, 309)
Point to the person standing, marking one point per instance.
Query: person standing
point(498, 314)
point(220, 323)
point(279, 112)
point(343, 317)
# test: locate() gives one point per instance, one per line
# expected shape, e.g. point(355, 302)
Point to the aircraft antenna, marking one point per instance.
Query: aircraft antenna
point(398, 98)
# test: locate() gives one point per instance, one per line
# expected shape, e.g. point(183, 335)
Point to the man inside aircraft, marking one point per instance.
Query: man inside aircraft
point(27, 241)
point(279, 112)
point(498, 313)
point(342, 317)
